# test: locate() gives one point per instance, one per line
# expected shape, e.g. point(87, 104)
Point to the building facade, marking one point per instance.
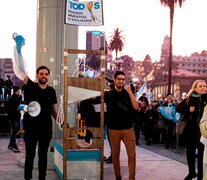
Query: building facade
point(184, 72)
point(6, 68)
point(196, 63)
point(95, 40)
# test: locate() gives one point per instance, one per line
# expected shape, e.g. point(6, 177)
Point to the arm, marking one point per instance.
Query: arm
point(203, 123)
point(53, 111)
point(132, 97)
point(182, 107)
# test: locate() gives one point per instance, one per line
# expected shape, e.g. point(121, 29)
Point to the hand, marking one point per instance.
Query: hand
point(128, 88)
point(192, 108)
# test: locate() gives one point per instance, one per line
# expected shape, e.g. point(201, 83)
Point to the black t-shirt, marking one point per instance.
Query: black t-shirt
point(46, 97)
point(120, 110)
point(12, 107)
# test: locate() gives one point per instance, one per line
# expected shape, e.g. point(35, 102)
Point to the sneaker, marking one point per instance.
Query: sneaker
point(190, 176)
point(118, 178)
point(148, 143)
point(16, 149)
point(21, 131)
point(10, 147)
point(109, 160)
point(137, 143)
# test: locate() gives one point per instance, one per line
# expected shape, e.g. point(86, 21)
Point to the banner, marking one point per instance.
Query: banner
point(88, 13)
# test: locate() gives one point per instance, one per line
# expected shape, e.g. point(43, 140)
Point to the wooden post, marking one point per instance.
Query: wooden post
point(67, 81)
point(65, 115)
point(102, 113)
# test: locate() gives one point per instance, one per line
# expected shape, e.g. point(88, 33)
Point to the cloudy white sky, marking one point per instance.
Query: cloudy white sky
point(144, 24)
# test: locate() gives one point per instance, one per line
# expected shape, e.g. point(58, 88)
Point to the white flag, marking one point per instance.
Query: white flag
point(142, 90)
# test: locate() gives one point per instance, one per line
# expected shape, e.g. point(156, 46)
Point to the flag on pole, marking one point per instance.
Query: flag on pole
point(142, 90)
point(149, 95)
point(87, 13)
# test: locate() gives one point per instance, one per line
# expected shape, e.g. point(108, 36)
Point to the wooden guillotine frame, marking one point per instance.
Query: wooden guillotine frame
point(70, 133)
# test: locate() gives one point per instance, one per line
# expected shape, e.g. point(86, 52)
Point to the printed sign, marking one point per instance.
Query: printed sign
point(88, 13)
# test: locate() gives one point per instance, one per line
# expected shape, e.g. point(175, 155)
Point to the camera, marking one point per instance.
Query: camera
point(132, 87)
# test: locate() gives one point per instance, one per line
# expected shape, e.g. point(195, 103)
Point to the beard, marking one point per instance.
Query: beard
point(119, 86)
point(42, 82)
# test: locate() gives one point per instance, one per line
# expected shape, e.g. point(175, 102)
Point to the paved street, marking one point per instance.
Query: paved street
point(153, 163)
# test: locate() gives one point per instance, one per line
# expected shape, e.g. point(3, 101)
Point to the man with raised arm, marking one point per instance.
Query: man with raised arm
point(37, 130)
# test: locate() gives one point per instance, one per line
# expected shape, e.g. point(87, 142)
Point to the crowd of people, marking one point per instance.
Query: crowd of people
point(147, 119)
point(126, 118)
point(6, 87)
point(160, 128)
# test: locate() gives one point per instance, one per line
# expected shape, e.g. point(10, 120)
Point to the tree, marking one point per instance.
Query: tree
point(171, 4)
point(117, 41)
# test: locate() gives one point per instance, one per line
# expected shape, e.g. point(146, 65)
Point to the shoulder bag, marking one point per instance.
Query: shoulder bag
point(181, 124)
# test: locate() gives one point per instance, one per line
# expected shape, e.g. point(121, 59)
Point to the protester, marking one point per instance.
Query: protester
point(170, 125)
point(88, 114)
point(121, 104)
point(192, 107)
point(151, 117)
point(8, 85)
point(37, 130)
point(1, 87)
point(203, 129)
point(14, 116)
point(138, 118)
point(144, 99)
point(108, 159)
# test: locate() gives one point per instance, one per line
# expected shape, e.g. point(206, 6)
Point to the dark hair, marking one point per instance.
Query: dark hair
point(42, 67)
point(15, 89)
point(118, 73)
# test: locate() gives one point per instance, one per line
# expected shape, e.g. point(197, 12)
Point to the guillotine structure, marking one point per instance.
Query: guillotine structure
point(71, 159)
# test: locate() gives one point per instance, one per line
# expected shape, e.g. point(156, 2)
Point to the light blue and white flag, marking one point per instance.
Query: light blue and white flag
point(149, 95)
point(142, 90)
point(90, 73)
point(169, 112)
point(19, 64)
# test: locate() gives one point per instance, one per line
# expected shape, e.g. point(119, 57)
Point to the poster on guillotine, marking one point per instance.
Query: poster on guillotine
point(86, 13)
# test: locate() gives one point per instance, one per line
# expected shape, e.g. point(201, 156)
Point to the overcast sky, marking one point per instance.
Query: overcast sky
point(145, 23)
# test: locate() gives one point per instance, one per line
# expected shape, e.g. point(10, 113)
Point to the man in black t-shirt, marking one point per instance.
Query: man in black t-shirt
point(38, 130)
point(121, 103)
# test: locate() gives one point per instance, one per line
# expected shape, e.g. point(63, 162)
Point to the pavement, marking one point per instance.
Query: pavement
point(153, 163)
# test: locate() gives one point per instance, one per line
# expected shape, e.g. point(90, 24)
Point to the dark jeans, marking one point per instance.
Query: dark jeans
point(170, 136)
point(13, 124)
point(31, 141)
point(7, 93)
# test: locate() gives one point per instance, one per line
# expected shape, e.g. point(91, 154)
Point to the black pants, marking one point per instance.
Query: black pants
point(191, 158)
point(170, 136)
point(31, 141)
point(13, 124)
